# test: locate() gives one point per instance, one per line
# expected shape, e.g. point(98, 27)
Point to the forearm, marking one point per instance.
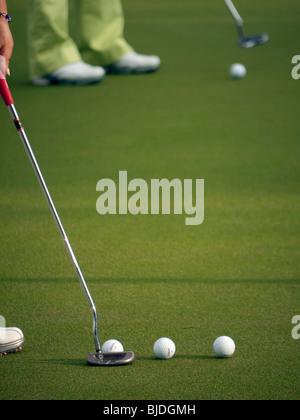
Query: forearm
point(6, 39)
point(3, 6)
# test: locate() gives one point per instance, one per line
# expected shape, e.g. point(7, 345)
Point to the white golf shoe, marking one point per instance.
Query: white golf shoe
point(133, 63)
point(11, 339)
point(77, 74)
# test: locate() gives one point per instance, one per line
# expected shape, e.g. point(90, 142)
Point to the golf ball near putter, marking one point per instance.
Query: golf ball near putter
point(164, 348)
point(112, 346)
point(224, 347)
point(237, 71)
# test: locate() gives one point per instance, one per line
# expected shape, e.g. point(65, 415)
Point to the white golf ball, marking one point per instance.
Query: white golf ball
point(164, 348)
point(224, 347)
point(112, 346)
point(237, 71)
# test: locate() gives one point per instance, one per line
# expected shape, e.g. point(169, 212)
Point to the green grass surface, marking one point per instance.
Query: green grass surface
point(151, 276)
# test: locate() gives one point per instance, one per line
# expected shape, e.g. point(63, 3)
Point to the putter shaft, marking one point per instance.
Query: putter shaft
point(237, 17)
point(43, 185)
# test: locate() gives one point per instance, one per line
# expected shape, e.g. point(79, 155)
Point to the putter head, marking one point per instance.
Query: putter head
point(111, 359)
point(253, 40)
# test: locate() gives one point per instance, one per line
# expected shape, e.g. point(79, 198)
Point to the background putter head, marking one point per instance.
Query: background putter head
point(253, 40)
point(110, 359)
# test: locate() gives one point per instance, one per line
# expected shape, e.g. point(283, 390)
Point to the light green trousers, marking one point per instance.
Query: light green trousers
point(100, 29)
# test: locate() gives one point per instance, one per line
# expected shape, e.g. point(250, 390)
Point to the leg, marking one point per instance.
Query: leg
point(103, 42)
point(50, 46)
point(102, 26)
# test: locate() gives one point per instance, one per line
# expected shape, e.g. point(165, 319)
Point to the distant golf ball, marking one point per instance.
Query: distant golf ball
point(164, 348)
point(112, 346)
point(237, 71)
point(224, 347)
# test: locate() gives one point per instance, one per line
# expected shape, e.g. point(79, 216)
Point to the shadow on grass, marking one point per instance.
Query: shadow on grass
point(66, 362)
point(153, 280)
point(180, 356)
point(83, 362)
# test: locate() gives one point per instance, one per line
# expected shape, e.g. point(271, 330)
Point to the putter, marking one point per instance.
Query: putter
point(245, 41)
point(94, 359)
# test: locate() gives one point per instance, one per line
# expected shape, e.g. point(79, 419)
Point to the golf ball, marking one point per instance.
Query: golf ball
point(112, 346)
point(224, 347)
point(237, 71)
point(164, 348)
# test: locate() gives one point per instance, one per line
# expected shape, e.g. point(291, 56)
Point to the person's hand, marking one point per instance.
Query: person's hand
point(6, 43)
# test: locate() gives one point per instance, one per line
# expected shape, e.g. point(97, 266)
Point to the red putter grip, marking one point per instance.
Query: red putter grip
point(5, 92)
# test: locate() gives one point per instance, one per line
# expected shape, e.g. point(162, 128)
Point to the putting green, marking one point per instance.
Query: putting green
point(151, 276)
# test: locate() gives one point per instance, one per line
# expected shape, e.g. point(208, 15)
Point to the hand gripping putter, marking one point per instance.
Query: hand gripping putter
point(94, 359)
